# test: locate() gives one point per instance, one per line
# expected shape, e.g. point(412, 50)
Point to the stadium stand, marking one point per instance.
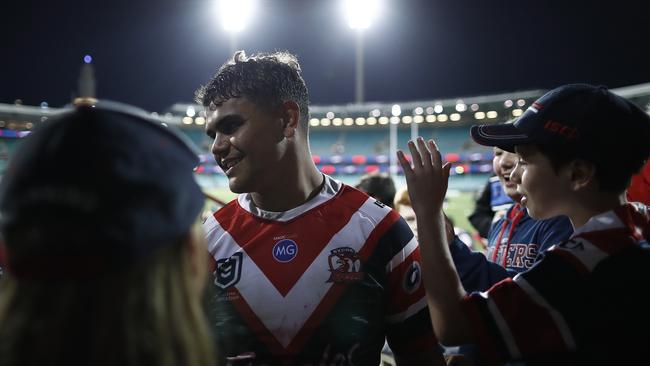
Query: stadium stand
point(349, 140)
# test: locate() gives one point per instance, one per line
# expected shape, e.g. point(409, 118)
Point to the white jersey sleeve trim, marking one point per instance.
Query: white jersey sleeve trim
point(401, 256)
point(584, 251)
point(560, 322)
point(604, 221)
point(409, 312)
point(501, 323)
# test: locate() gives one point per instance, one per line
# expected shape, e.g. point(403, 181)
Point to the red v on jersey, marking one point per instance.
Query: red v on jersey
point(291, 298)
point(311, 234)
point(278, 344)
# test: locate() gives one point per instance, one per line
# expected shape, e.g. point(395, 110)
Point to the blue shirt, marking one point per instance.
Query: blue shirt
point(514, 244)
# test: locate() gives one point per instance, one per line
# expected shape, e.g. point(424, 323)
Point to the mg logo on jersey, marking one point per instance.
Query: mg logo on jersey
point(345, 265)
point(228, 271)
point(285, 250)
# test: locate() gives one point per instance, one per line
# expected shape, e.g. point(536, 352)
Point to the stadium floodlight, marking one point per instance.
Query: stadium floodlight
point(235, 14)
point(361, 13)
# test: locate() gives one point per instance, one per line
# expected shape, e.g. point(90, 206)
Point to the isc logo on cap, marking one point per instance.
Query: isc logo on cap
point(285, 250)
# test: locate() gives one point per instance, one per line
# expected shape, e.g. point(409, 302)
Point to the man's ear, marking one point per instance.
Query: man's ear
point(290, 118)
point(582, 173)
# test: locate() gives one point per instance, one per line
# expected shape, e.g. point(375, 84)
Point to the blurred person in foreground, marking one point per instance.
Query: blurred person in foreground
point(307, 270)
point(580, 303)
point(379, 186)
point(101, 245)
point(639, 189)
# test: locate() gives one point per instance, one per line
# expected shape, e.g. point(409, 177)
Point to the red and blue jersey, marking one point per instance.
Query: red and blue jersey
point(580, 303)
point(324, 283)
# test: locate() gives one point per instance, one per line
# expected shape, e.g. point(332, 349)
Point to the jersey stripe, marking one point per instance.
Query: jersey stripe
point(503, 327)
point(560, 322)
point(405, 285)
point(259, 236)
point(520, 314)
point(409, 312)
point(584, 251)
point(402, 255)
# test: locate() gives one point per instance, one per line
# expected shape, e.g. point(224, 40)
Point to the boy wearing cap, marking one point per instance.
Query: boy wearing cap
point(579, 303)
point(307, 270)
point(101, 244)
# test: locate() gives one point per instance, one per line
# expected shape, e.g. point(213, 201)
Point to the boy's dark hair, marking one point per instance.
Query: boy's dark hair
point(379, 186)
point(267, 79)
point(580, 121)
point(614, 171)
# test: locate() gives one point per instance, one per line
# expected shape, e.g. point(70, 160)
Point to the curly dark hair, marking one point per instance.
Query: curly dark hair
point(267, 79)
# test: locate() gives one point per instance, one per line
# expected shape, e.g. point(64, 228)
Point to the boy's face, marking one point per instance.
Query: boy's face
point(247, 144)
point(503, 163)
point(544, 192)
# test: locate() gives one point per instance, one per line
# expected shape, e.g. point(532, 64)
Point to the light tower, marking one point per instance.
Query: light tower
point(360, 15)
point(86, 84)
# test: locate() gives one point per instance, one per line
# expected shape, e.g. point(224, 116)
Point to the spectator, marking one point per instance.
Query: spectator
point(515, 239)
point(101, 245)
point(402, 205)
point(579, 303)
point(379, 186)
point(639, 189)
point(491, 205)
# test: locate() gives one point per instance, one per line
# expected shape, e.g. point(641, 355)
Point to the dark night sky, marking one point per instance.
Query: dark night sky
point(155, 53)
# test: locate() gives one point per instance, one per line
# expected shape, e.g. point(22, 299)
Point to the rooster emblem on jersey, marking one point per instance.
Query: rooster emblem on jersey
point(345, 265)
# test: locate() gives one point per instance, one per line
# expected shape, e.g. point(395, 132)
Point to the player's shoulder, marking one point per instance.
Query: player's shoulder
point(211, 221)
point(366, 205)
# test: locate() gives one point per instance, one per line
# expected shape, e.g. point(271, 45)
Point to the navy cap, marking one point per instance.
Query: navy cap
point(582, 116)
point(102, 182)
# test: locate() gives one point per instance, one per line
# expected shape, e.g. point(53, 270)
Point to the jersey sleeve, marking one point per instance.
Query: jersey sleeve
point(409, 328)
point(526, 317)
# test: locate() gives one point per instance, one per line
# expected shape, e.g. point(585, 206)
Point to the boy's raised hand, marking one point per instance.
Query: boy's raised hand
point(428, 178)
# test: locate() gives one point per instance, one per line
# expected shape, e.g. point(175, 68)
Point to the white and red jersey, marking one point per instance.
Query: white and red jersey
point(581, 303)
point(323, 283)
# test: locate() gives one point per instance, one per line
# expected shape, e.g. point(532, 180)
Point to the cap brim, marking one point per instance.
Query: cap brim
point(504, 136)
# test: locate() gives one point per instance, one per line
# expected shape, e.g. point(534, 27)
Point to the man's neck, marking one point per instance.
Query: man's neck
point(291, 191)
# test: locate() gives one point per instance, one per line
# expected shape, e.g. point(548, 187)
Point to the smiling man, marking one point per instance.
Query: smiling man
point(307, 270)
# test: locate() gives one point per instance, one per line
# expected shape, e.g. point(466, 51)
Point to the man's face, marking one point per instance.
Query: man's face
point(247, 143)
point(503, 163)
point(543, 192)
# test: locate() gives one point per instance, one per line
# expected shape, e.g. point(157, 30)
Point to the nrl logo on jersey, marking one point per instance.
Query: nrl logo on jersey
point(345, 265)
point(228, 271)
